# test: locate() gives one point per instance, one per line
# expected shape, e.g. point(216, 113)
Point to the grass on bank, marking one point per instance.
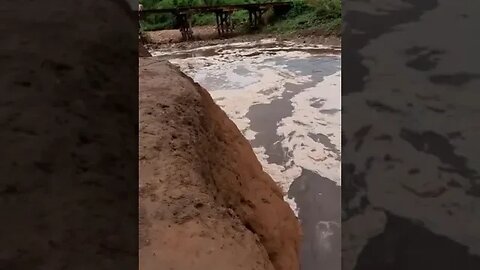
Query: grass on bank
point(323, 15)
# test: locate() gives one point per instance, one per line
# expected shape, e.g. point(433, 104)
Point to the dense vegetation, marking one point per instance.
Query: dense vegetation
point(323, 15)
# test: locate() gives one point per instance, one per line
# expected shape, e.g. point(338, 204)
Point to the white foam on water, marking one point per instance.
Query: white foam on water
point(238, 78)
point(306, 120)
point(262, 82)
point(243, 47)
point(283, 176)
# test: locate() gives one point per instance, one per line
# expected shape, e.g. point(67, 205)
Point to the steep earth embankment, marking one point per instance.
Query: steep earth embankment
point(205, 202)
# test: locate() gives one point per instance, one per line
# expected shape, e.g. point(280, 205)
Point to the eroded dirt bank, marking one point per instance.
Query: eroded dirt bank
point(205, 202)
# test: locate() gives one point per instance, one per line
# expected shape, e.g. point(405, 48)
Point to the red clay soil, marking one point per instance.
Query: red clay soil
point(205, 201)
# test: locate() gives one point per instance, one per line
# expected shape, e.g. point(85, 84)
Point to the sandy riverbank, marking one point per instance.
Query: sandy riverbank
point(205, 202)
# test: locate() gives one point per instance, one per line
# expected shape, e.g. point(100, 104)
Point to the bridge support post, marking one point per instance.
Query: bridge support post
point(250, 18)
point(218, 18)
point(255, 17)
point(185, 24)
point(224, 22)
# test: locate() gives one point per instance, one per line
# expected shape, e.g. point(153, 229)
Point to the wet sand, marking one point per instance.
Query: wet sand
point(285, 98)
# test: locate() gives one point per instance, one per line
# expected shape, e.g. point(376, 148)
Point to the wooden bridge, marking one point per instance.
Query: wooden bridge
point(223, 15)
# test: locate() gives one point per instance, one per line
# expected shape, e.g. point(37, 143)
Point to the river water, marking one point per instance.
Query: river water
point(285, 98)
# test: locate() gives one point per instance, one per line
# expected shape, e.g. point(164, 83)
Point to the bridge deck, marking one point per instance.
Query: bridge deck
point(209, 9)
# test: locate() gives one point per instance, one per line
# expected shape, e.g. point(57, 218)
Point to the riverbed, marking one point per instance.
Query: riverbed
point(285, 98)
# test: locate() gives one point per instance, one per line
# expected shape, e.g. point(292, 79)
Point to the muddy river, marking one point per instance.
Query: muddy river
point(285, 98)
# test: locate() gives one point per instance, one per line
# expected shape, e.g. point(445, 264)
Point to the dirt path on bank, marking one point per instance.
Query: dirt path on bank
point(205, 202)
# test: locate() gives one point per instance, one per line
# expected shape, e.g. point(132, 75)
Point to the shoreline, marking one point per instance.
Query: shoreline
point(284, 98)
point(206, 36)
